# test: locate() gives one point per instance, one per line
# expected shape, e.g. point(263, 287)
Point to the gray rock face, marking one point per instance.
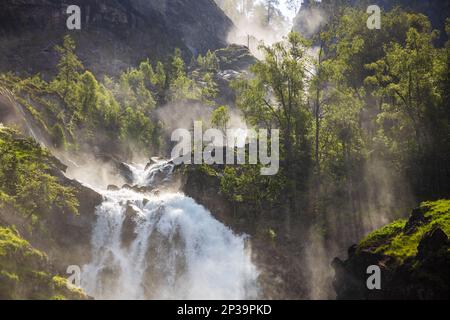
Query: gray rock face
point(129, 226)
point(114, 33)
point(72, 234)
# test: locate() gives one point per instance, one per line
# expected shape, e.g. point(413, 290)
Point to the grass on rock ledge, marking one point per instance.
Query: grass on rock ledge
point(392, 240)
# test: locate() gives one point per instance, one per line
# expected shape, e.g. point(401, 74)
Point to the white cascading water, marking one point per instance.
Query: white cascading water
point(177, 250)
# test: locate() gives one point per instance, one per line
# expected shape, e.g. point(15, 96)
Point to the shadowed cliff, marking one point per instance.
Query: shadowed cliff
point(114, 34)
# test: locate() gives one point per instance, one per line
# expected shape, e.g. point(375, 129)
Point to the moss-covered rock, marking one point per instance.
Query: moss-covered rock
point(25, 272)
point(235, 57)
point(413, 255)
point(401, 239)
point(52, 214)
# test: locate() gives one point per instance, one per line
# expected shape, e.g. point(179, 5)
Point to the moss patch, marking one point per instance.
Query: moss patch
point(26, 274)
point(393, 240)
point(27, 178)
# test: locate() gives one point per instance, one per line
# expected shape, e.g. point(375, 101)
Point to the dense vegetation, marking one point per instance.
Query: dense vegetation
point(366, 108)
point(30, 192)
point(363, 116)
point(76, 109)
point(394, 240)
point(413, 255)
point(27, 179)
point(25, 272)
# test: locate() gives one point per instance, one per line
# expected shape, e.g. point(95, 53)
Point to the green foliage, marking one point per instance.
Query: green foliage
point(220, 118)
point(85, 106)
point(373, 96)
point(69, 67)
point(75, 108)
point(89, 92)
point(181, 87)
point(208, 63)
point(208, 89)
point(134, 93)
point(11, 243)
point(159, 81)
point(245, 184)
point(137, 127)
point(26, 178)
point(413, 122)
point(391, 240)
point(25, 272)
point(275, 99)
point(407, 74)
point(383, 235)
point(58, 136)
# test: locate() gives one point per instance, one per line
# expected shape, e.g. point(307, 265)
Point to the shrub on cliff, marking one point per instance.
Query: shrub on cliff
point(26, 274)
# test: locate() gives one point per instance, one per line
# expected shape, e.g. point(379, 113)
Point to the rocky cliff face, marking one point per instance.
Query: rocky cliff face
point(114, 33)
point(65, 237)
point(413, 256)
point(279, 261)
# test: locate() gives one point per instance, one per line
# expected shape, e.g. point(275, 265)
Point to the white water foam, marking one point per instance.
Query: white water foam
point(178, 251)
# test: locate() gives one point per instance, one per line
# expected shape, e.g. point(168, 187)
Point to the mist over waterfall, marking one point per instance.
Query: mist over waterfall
point(163, 245)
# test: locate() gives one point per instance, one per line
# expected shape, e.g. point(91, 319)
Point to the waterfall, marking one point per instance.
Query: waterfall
point(18, 107)
point(163, 245)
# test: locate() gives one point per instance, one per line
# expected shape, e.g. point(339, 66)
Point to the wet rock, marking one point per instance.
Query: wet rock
point(125, 172)
point(112, 187)
point(152, 161)
point(127, 186)
point(423, 276)
point(145, 189)
point(138, 189)
point(233, 59)
point(431, 243)
point(352, 250)
point(158, 177)
point(416, 220)
point(129, 225)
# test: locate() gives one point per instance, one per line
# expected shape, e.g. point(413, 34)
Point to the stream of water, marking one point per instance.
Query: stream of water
point(175, 249)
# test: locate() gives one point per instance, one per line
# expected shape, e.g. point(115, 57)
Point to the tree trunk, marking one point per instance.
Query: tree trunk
point(292, 190)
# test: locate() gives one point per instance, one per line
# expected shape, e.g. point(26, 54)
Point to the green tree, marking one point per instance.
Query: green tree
point(134, 92)
point(208, 63)
point(275, 98)
point(208, 89)
point(181, 87)
point(160, 78)
point(413, 117)
point(89, 92)
point(271, 7)
point(407, 74)
point(137, 127)
point(69, 67)
point(220, 118)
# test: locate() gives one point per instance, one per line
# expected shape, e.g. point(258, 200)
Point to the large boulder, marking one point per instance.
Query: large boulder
point(413, 256)
point(129, 225)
